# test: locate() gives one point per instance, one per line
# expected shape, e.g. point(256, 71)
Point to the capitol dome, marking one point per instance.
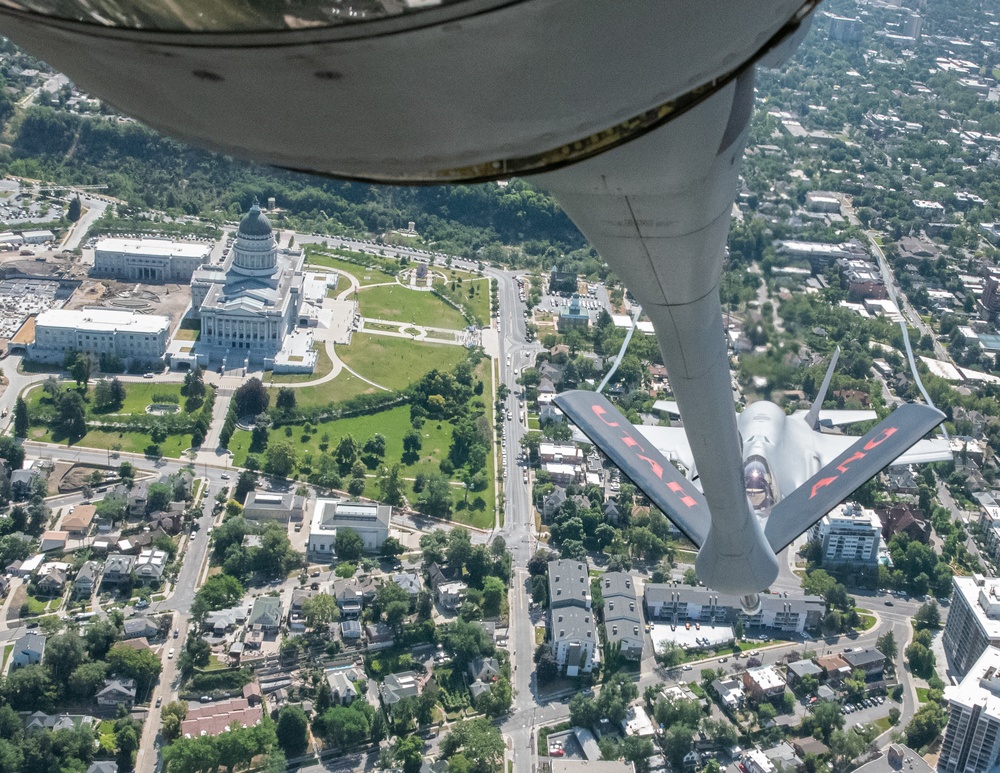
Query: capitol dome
point(255, 223)
point(255, 250)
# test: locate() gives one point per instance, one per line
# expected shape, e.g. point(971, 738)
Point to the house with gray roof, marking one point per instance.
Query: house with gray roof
point(399, 686)
point(484, 669)
point(103, 766)
point(266, 614)
point(138, 627)
point(118, 569)
point(39, 720)
point(87, 579)
point(52, 583)
point(871, 661)
point(342, 684)
point(28, 650)
point(573, 639)
point(800, 669)
point(410, 582)
point(117, 692)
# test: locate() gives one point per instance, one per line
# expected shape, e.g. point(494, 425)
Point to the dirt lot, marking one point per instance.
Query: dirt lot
point(168, 299)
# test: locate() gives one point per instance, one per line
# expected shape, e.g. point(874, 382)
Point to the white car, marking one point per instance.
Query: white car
point(170, 654)
point(685, 667)
point(754, 653)
point(225, 476)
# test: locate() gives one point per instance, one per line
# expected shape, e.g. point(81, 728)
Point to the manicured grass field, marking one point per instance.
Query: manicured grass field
point(129, 442)
point(323, 366)
point(396, 363)
point(343, 387)
point(366, 275)
point(478, 304)
point(397, 303)
point(138, 395)
point(922, 694)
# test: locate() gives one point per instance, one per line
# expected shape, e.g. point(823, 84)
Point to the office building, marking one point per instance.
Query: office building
point(150, 260)
point(849, 535)
point(369, 519)
point(132, 337)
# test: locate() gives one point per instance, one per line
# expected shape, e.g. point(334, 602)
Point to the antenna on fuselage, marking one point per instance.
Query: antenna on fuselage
point(812, 418)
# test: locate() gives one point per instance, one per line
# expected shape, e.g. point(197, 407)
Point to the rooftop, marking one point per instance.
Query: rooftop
point(161, 248)
point(103, 320)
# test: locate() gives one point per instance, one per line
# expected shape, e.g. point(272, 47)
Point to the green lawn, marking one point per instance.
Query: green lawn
point(323, 366)
point(138, 395)
point(883, 724)
point(867, 621)
point(365, 274)
point(397, 362)
point(129, 442)
point(398, 303)
point(922, 694)
point(478, 304)
point(343, 387)
point(6, 654)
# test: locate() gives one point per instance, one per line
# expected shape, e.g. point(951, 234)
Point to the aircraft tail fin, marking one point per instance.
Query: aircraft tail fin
point(812, 418)
point(658, 479)
point(854, 467)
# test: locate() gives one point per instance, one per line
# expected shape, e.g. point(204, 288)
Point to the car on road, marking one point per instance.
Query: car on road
point(754, 653)
point(685, 667)
point(159, 700)
point(888, 603)
point(205, 699)
point(177, 632)
point(170, 654)
point(147, 375)
point(225, 476)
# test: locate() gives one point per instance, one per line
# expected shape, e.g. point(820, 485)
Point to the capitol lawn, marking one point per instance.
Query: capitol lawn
point(401, 304)
point(366, 275)
point(395, 363)
point(138, 396)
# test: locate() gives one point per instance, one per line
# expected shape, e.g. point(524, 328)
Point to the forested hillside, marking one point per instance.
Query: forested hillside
point(149, 170)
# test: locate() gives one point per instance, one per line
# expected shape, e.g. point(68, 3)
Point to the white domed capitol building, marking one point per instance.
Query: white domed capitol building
point(249, 306)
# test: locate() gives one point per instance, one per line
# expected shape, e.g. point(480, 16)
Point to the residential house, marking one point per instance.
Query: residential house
point(221, 620)
point(52, 582)
point(350, 631)
point(136, 627)
point(266, 614)
point(29, 650)
point(118, 569)
point(870, 661)
point(39, 720)
point(349, 598)
point(450, 595)
point(149, 567)
point(399, 686)
point(908, 519)
point(410, 582)
point(103, 766)
point(20, 484)
point(484, 669)
point(217, 717)
point(117, 692)
point(730, 692)
point(296, 618)
point(835, 668)
point(87, 579)
point(552, 503)
point(800, 669)
point(342, 683)
point(379, 636)
point(79, 520)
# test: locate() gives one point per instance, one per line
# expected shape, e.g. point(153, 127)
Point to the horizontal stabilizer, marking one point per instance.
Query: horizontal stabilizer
point(659, 480)
point(849, 471)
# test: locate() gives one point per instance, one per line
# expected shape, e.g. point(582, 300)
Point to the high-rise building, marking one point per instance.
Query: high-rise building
point(973, 620)
point(849, 535)
point(972, 738)
point(844, 29)
point(912, 24)
point(572, 626)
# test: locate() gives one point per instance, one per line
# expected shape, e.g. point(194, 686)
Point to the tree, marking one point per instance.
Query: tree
point(546, 666)
point(63, 654)
point(390, 486)
point(391, 548)
point(494, 589)
point(87, 679)
point(677, 742)
point(926, 725)
point(436, 499)
point(142, 665)
point(346, 454)
point(886, 644)
point(466, 641)
point(172, 716)
point(409, 753)
point(21, 419)
point(80, 369)
point(74, 210)
point(928, 616)
point(218, 592)
point(286, 399)
point(374, 450)
point(158, 497)
point(72, 421)
point(251, 398)
point(412, 443)
point(320, 610)
point(349, 545)
point(292, 731)
point(827, 718)
point(197, 653)
point(459, 548)
point(280, 459)
point(100, 635)
point(479, 741)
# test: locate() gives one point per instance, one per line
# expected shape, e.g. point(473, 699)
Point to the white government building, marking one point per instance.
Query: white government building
point(369, 519)
point(133, 337)
point(149, 260)
point(249, 307)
